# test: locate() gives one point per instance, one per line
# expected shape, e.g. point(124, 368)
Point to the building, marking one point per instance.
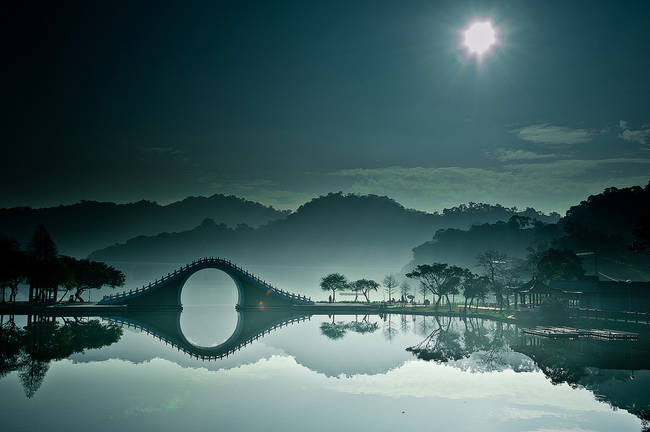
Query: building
point(592, 293)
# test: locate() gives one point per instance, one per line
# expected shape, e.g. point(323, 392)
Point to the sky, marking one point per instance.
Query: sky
point(283, 101)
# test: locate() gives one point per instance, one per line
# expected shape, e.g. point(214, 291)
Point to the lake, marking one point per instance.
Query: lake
point(320, 372)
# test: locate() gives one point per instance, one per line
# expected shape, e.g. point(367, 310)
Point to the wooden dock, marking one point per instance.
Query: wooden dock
point(574, 333)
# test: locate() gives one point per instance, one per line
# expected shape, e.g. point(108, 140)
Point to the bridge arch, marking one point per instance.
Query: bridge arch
point(253, 292)
point(237, 284)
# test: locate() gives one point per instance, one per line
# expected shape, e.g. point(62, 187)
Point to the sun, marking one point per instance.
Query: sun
point(479, 37)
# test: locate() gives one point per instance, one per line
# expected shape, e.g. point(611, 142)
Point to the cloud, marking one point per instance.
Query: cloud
point(635, 135)
point(546, 185)
point(545, 133)
point(505, 155)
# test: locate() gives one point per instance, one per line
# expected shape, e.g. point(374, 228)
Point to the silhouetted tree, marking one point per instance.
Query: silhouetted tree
point(365, 286)
point(44, 271)
point(438, 278)
point(468, 292)
point(13, 269)
point(333, 282)
point(390, 283)
point(405, 290)
point(83, 275)
point(494, 264)
point(356, 288)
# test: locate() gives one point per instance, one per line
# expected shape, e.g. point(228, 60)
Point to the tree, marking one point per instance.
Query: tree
point(333, 282)
point(493, 264)
point(390, 283)
point(559, 264)
point(41, 246)
point(43, 272)
point(475, 287)
point(356, 288)
point(456, 278)
point(83, 275)
point(14, 267)
point(365, 286)
point(405, 290)
point(438, 278)
point(423, 291)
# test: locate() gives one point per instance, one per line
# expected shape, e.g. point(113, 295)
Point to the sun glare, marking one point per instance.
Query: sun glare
point(479, 37)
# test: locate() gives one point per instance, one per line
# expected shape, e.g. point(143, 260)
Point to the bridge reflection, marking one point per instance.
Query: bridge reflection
point(252, 325)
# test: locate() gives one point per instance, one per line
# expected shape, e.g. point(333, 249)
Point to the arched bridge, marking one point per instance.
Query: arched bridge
point(165, 292)
point(251, 325)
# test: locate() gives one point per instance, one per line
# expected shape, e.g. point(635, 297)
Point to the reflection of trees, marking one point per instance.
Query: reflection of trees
point(448, 339)
point(426, 325)
point(605, 368)
point(32, 373)
point(441, 344)
point(30, 350)
point(364, 326)
point(337, 329)
point(390, 328)
point(404, 324)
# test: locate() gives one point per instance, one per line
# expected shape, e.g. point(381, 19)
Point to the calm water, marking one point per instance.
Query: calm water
point(381, 373)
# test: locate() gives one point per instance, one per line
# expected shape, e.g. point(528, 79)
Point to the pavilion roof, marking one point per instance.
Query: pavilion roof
point(535, 286)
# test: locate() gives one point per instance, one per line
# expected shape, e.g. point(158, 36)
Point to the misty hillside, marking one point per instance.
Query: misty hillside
point(604, 223)
point(80, 228)
point(335, 229)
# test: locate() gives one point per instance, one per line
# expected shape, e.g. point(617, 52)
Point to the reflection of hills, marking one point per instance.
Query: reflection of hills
point(617, 372)
point(338, 229)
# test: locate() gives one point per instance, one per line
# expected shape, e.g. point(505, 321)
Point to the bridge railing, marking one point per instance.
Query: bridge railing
point(196, 262)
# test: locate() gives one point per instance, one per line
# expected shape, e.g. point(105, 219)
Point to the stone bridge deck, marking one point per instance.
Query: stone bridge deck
point(166, 291)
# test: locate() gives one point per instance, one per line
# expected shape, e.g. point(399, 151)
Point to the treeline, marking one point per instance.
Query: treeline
point(499, 276)
point(336, 282)
point(614, 225)
point(47, 273)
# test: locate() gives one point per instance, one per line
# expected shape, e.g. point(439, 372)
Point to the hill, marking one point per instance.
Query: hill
point(604, 223)
point(80, 228)
point(336, 229)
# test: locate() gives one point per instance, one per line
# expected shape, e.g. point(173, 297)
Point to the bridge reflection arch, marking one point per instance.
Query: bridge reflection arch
point(251, 326)
point(209, 317)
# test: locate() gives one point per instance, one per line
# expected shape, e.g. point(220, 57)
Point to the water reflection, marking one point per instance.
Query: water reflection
point(209, 317)
point(30, 349)
point(336, 330)
point(405, 358)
